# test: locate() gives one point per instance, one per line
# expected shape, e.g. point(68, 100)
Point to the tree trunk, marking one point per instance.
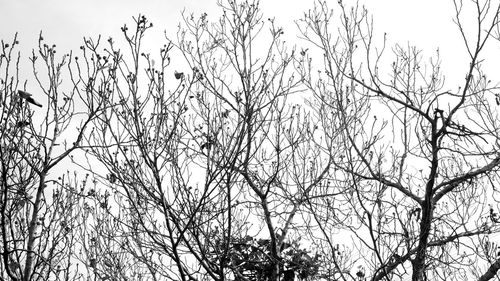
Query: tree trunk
point(30, 253)
point(418, 263)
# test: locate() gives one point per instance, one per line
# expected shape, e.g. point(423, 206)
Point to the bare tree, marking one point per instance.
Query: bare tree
point(249, 106)
point(228, 152)
point(37, 208)
point(248, 160)
point(421, 155)
point(146, 206)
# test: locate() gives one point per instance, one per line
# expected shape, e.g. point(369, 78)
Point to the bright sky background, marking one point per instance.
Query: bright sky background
point(426, 23)
point(67, 21)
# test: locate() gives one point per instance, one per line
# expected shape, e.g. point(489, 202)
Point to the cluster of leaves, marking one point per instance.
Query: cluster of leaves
point(251, 257)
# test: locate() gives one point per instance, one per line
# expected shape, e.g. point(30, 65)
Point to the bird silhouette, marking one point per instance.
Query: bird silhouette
point(178, 75)
point(28, 97)
point(21, 124)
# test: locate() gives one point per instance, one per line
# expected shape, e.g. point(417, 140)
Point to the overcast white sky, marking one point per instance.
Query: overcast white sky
point(67, 21)
point(425, 23)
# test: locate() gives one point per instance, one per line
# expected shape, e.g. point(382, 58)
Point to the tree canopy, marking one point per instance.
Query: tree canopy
point(233, 154)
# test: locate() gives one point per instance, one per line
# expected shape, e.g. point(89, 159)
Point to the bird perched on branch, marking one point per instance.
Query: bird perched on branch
point(178, 75)
point(22, 124)
point(28, 97)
